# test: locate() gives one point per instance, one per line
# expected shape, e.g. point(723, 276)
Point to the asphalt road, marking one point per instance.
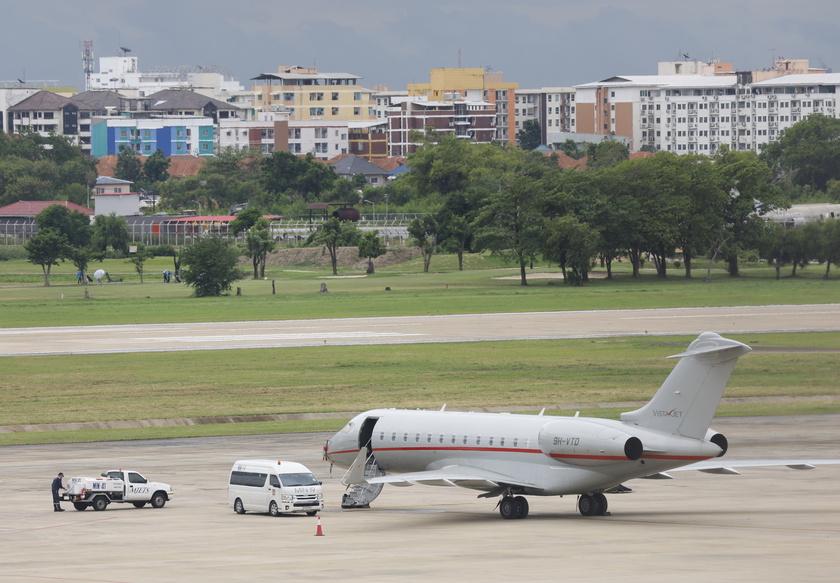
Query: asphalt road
point(769, 524)
point(415, 329)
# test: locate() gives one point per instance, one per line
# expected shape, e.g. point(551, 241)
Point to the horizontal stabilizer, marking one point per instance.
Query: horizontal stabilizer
point(659, 476)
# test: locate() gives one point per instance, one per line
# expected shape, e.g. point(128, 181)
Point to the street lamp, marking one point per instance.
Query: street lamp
point(373, 205)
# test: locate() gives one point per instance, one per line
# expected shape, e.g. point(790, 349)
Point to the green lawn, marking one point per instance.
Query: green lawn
point(523, 375)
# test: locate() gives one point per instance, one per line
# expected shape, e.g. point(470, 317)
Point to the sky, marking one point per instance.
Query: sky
point(536, 43)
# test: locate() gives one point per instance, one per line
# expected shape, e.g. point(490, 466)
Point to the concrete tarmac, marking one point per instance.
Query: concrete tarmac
point(769, 524)
point(415, 329)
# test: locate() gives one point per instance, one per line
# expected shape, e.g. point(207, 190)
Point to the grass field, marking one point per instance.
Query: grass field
point(525, 375)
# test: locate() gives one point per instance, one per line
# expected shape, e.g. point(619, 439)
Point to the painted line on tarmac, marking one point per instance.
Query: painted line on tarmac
point(268, 337)
point(58, 525)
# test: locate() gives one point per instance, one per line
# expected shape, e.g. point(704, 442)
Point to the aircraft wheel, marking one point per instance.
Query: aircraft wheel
point(586, 505)
point(522, 507)
point(600, 503)
point(508, 508)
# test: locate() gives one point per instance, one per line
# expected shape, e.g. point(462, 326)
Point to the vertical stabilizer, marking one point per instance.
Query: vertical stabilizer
point(687, 400)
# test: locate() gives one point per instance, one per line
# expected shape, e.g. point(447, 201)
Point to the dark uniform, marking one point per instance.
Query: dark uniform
point(56, 486)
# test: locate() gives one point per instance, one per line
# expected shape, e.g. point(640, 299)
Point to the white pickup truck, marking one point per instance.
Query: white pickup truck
point(116, 486)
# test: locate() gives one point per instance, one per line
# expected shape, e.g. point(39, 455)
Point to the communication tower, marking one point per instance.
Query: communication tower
point(87, 60)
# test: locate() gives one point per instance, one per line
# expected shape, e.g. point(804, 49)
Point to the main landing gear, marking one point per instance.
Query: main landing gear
point(593, 504)
point(513, 507)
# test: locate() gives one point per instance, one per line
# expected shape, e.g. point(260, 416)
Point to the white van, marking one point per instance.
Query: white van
point(276, 487)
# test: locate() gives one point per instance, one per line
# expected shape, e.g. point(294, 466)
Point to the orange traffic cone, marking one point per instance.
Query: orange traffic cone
point(319, 532)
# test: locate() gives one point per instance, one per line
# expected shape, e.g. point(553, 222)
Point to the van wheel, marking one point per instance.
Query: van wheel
point(312, 513)
point(100, 503)
point(238, 507)
point(139, 504)
point(272, 509)
point(158, 500)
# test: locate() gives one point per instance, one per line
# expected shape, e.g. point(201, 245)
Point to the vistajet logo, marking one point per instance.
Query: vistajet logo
point(663, 413)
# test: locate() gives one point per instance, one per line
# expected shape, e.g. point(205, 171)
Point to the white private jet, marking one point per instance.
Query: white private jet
point(516, 455)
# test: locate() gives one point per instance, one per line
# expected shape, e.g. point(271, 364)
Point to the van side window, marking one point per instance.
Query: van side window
point(274, 481)
point(252, 479)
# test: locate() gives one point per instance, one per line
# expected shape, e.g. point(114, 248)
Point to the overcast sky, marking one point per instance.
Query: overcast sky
point(536, 43)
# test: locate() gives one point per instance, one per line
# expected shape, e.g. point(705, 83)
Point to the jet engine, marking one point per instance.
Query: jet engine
point(583, 443)
point(719, 440)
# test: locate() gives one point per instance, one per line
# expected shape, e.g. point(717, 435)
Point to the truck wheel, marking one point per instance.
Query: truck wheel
point(158, 500)
point(239, 507)
point(139, 504)
point(80, 505)
point(100, 503)
point(272, 509)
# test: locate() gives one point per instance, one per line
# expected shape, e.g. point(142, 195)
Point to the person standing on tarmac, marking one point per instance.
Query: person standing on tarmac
point(56, 486)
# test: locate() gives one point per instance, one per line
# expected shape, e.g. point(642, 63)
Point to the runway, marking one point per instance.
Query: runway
point(416, 329)
point(769, 524)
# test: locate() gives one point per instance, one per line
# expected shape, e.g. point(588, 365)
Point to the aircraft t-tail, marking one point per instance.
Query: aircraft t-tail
point(513, 456)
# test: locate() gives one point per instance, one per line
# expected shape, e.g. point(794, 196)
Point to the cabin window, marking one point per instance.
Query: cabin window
point(515, 441)
point(501, 442)
point(394, 436)
point(465, 440)
point(381, 436)
point(478, 440)
point(429, 438)
point(453, 438)
point(491, 441)
point(441, 437)
point(417, 438)
point(405, 436)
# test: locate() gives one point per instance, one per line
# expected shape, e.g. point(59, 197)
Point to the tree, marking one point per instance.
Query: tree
point(211, 266)
point(748, 182)
point(156, 168)
point(571, 244)
point(46, 248)
point(509, 224)
point(73, 224)
point(245, 220)
point(530, 136)
point(139, 259)
point(808, 151)
point(424, 231)
point(607, 154)
point(333, 234)
point(129, 167)
point(370, 247)
point(456, 230)
point(110, 231)
point(258, 244)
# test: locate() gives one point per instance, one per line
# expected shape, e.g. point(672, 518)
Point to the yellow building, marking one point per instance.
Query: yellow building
point(473, 84)
point(310, 95)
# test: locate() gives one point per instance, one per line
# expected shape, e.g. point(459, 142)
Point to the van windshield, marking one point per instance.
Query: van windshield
point(298, 479)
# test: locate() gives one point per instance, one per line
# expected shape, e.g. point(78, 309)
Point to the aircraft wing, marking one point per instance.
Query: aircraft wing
point(728, 467)
point(455, 475)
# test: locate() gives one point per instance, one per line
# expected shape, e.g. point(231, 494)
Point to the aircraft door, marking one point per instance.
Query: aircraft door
point(366, 434)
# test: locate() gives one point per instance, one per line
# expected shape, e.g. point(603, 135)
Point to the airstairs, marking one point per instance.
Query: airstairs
point(360, 493)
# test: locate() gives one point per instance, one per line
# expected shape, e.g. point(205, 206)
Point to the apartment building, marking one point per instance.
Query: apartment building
point(310, 95)
point(45, 112)
point(470, 120)
point(552, 107)
point(699, 112)
point(173, 135)
point(474, 85)
point(122, 73)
